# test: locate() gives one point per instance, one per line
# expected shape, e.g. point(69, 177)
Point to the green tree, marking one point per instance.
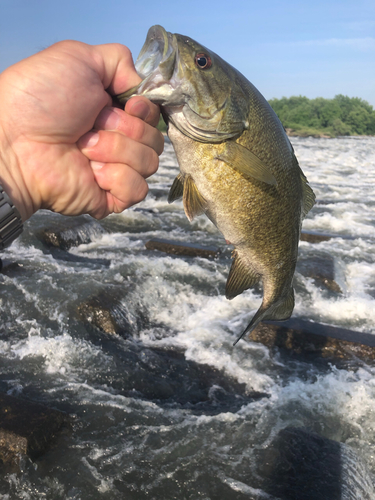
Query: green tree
point(341, 115)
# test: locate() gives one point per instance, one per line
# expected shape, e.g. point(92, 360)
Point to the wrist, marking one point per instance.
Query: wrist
point(11, 179)
point(10, 221)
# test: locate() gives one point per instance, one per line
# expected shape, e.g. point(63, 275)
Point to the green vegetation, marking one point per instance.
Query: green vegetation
point(161, 125)
point(318, 117)
point(341, 115)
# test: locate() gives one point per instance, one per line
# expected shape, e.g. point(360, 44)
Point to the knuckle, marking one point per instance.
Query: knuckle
point(137, 129)
point(154, 162)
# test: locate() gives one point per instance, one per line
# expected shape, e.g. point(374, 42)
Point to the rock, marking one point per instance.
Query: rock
point(66, 232)
point(66, 256)
point(26, 428)
point(108, 312)
point(164, 376)
point(301, 465)
point(10, 268)
point(307, 337)
point(321, 269)
point(316, 237)
point(179, 248)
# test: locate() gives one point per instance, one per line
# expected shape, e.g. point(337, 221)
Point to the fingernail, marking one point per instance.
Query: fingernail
point(89, 140)
point(107, 119)
point(96, 165)
point(139, 109)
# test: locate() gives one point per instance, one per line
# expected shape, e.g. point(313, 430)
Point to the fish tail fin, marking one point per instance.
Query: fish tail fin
point(276, 312)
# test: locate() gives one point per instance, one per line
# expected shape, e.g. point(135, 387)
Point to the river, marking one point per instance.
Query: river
point(169, 408)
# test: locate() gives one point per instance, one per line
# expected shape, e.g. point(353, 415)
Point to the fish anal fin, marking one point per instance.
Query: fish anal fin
point(240, 278)
point(177, 189)
point(246, 162)
point(194, 203)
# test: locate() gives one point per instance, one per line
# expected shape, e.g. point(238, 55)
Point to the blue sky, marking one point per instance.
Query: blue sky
point(313, 48)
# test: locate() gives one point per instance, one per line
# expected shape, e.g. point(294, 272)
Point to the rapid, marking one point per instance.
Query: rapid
point(169, 408)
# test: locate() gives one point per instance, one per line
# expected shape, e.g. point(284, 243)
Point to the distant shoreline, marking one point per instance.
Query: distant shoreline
point(318, 134)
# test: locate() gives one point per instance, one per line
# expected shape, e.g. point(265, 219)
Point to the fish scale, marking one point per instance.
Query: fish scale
point(236, 162)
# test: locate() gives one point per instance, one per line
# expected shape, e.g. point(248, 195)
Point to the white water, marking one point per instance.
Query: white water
point(150, 443)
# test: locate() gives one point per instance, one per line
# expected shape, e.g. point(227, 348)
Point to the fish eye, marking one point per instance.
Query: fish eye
point(203, 61)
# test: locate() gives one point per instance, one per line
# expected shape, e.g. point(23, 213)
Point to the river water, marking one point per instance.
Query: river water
point(169, 408)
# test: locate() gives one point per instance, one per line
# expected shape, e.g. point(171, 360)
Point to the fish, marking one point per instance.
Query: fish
point(237, 165)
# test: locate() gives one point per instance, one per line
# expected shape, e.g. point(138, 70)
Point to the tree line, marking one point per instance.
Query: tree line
point(341, 115)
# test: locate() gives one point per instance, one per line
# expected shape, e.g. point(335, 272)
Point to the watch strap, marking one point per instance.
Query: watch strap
point(10, 220)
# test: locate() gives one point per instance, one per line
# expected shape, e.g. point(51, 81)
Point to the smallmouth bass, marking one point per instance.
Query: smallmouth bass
point(237, 165)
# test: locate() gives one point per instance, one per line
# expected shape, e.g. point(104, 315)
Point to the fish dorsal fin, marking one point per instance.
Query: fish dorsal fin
point(246, 162)
point(194, 203)
point(308, 196)
point(241, 277)
point(177, 189)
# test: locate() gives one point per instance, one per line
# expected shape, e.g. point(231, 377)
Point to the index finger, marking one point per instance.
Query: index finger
point(142, 108)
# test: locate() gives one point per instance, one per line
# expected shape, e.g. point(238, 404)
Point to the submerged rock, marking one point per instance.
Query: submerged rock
point(166, 378)
point(66, 232)
point(181, 248)
point(301, 465)
point(108, 312)
point(317, 237)
point(26, 428)
point(305, 337)
point(10, 268)
point(321, 269)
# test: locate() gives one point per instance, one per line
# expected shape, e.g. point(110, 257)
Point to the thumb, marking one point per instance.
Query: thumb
point(116, 67)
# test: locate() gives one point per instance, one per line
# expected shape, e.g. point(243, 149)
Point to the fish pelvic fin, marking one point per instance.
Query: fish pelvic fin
point(247, 163)
point(177, 189)
point(279, 312)
point(194, 203)
point(241, 277)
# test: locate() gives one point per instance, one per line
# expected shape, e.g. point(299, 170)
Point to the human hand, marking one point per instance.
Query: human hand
point(50, 104)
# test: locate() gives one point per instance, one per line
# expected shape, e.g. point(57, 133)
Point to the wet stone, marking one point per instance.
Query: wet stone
point(109, 312)
point(67, 232)
point(316, 237)
point(167, 378)
point(10, 268)
point(180, 248)
point(302, 465)
point(321, 269)
point(305, 337)
point(26, 428)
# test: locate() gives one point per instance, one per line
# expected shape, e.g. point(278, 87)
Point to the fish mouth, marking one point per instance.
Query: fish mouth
point(156, 65)
point(158, 52)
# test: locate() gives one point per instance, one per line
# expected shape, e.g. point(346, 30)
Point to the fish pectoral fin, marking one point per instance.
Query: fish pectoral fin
point(177, 189)
point(194, 203)
point(246, 162)
point(241, 277)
